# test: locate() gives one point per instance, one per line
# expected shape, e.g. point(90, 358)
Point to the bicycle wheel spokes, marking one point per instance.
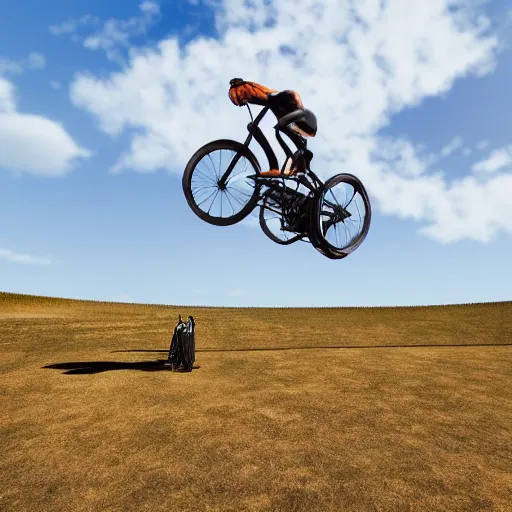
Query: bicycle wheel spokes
point(274, 224)
point(341, 217)
point(215, 195)
point(274, 221)
point(344, 213)
point(214, 199)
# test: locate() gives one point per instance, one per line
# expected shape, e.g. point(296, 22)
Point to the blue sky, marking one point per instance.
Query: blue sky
point(103, 103)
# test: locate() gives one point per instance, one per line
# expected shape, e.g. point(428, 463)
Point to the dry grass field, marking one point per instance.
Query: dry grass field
point(347, 409)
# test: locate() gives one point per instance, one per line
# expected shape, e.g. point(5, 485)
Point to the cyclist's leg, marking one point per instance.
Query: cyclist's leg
point(288, 170)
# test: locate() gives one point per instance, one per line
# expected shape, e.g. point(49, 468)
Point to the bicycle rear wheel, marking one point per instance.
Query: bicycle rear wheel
point(207, 197)
point(341, 217)
point(273, 223)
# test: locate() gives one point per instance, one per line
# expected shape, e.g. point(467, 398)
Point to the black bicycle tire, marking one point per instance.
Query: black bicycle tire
point(187, 178)
point(318, 240)
point(324, 252)
point(313, 237)
point(266, 230)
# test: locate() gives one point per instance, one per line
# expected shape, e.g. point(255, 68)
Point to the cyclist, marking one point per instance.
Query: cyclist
point(280, 103)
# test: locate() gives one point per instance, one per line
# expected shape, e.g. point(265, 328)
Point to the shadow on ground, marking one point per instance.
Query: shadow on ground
point(88, 367)
point(317, 347)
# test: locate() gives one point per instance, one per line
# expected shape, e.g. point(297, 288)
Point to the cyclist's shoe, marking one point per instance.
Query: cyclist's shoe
point(271, 173)
point(275, 173)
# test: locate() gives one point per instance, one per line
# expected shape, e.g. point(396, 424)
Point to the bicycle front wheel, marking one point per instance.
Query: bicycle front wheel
point(221, 204)
point(342, 216)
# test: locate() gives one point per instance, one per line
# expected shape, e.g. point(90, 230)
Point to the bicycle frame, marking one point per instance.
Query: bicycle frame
point(303, 156)
point(313, 184)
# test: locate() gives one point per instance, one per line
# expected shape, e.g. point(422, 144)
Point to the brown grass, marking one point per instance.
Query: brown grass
point(275, 418)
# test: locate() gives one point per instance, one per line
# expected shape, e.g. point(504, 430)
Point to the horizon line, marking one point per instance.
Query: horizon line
point(97, 301)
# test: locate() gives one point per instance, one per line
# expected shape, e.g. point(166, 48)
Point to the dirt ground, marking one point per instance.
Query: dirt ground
point(356, 409)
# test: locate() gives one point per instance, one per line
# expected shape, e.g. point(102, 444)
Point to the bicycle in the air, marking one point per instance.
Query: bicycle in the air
point(223, 184)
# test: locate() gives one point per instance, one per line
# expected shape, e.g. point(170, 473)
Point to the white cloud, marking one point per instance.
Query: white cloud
point(150, 7)
point(54, 84)
point(16, 257)
point(9, 66)
point(7, 102)
point(499, 159)
point(483, 144)
point(113, 34)
point(354, 63)
point(71, 25)
point(452, 146)
point(34, 60)
point(31, 143)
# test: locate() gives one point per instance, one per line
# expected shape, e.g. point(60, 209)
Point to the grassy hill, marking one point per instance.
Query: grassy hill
point(335, 409)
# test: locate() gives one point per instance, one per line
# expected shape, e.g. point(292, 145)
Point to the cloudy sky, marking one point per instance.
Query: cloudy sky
point(103, 103)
